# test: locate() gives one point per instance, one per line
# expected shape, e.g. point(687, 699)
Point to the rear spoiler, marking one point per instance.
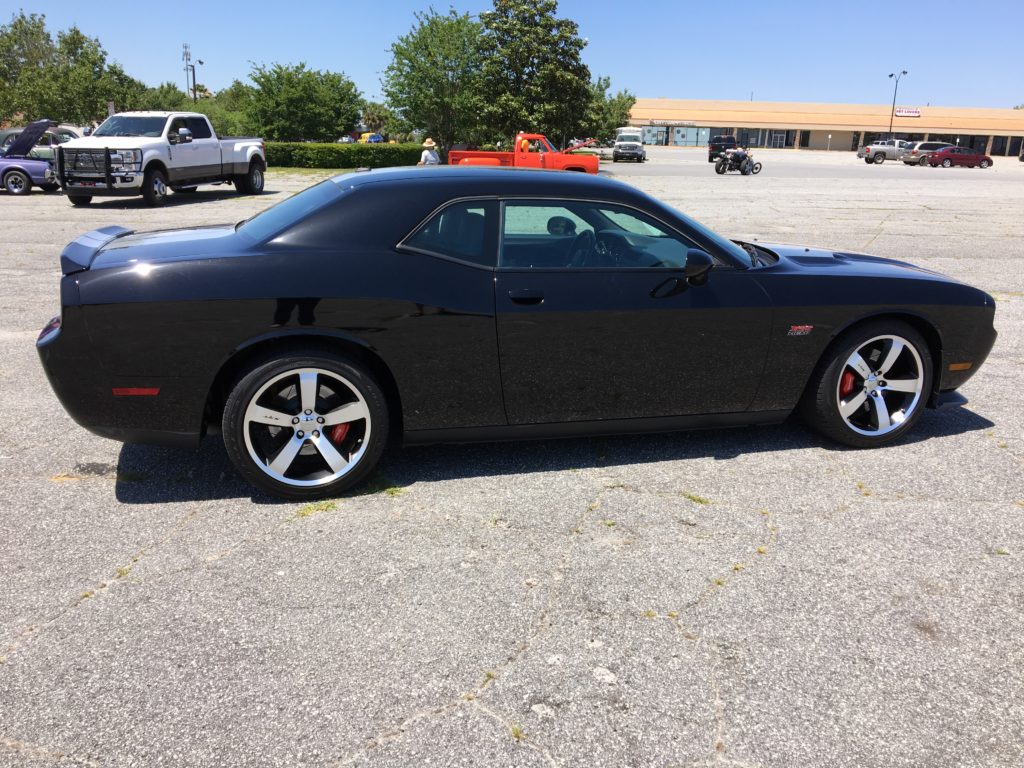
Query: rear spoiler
point(78, 254)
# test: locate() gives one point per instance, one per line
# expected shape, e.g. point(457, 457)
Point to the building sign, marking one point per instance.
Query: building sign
point(908, 112)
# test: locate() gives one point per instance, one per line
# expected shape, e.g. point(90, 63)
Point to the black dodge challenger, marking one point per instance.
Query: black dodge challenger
point(460, 304)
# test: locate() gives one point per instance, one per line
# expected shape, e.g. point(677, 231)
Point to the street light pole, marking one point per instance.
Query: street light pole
point(892, 114)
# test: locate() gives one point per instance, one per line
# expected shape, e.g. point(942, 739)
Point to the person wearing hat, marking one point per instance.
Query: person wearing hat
point(429, 156)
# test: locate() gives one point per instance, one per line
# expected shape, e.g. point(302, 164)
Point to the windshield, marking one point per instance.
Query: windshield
point(131, 125)
point(272, 221)
point(629, 137)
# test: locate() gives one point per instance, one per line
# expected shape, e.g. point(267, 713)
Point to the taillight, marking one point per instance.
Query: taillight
point(52, 328)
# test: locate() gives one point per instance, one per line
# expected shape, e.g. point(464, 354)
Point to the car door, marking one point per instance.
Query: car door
point(596, 321)
point(206, 148)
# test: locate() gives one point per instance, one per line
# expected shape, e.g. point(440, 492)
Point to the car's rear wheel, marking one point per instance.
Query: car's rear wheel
point(306, 425)
point(871, 386)
point(251, 182)
point(154, 187)
point(17, 183)
point(879, 158)
point(947, 163)
point(923, 161)
point(80, 200)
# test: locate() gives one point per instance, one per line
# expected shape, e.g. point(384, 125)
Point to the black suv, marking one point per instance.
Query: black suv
point(718, 145)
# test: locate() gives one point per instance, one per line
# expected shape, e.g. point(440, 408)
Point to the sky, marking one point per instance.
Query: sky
point(766, 51)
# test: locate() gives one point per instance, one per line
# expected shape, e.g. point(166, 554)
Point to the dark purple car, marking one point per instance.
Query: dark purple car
point(18, 172)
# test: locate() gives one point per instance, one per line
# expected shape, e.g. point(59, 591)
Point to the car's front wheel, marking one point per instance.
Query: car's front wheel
point(984, 164)
point(947, 163)
point(871, 386)
point(154, 187)
point(17, 183)
point(306, 425)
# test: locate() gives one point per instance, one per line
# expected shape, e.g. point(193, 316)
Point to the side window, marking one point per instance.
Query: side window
point(176, 125)
point(459, 231)
point(199, 127)
point(585, 235)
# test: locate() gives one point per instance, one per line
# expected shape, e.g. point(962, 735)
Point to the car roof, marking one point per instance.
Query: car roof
point(487, 181)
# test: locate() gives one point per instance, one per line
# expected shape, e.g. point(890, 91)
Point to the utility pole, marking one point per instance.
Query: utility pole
point(186, 56)
point(894, 89)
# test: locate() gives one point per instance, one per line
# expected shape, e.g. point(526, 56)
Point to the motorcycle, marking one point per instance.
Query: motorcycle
point(736, 160)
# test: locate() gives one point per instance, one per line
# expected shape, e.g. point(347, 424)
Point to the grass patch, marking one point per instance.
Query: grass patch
point(695, 498)
point(517, 732)
point(316, 507)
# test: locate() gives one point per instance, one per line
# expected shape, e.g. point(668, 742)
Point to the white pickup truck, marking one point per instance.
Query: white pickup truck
point(147, 153)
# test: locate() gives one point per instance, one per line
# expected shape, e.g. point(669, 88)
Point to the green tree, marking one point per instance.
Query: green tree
point(434, 80)
point(533, 75)
point(228, 110)
point(292, 103)
point(67, 79)
point(606, 113)
point(376, 116)
point(166, 97)
point(24, 45)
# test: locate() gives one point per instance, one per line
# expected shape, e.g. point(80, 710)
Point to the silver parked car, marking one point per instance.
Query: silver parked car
point(918, 152)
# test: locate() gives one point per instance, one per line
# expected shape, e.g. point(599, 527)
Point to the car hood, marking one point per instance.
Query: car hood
point(821, 260)
point(114, 142)
point(27, 139)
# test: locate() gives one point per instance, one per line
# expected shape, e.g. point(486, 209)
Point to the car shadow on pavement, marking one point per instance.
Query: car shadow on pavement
point(148, 474)
point(174, 199)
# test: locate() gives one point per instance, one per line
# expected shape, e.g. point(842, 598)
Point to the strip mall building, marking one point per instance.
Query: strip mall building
point(679, 122)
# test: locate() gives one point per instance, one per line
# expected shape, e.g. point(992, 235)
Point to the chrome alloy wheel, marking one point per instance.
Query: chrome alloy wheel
point(307, 427)
point(880, 386)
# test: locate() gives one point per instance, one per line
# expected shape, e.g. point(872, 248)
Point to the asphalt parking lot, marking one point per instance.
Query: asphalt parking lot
point(746, 598)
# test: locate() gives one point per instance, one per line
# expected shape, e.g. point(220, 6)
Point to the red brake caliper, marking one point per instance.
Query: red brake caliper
point(846, 382)
point(338, 432)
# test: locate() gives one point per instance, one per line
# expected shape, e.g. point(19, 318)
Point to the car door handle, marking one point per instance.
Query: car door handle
point(526, 296)
point(673, 286)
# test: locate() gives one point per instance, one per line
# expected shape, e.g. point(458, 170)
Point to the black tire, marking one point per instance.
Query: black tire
point(756, 168)
point(154, 187)
point(17, 183)
point(984, 164)
point(879, 158)
point(251, 183)
point(49, 187)
point(80, 200)
point(746, 167)
point(720, 166)
point(923, 160)
point(317, 459)
point(947, 163)
point(184, 190)
point(865, 411)
point(867, 160)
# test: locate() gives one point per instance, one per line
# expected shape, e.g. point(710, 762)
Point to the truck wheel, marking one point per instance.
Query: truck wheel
point(80, 200)
point(251, 183)
point(154, 187)
point(867, 160)
point(879, 158)
point(17, 183)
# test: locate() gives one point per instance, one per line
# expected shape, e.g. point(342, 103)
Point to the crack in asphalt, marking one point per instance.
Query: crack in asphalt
point(42, 753)
point(120, 574)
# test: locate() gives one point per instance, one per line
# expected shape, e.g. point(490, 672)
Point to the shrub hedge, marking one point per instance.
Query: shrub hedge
point(298, 154)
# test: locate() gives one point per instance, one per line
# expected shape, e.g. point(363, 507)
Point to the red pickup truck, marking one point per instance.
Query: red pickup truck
point(531, 150)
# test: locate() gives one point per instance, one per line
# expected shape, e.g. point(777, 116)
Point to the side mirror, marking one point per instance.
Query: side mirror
point(698, 266)
point(184, 136)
